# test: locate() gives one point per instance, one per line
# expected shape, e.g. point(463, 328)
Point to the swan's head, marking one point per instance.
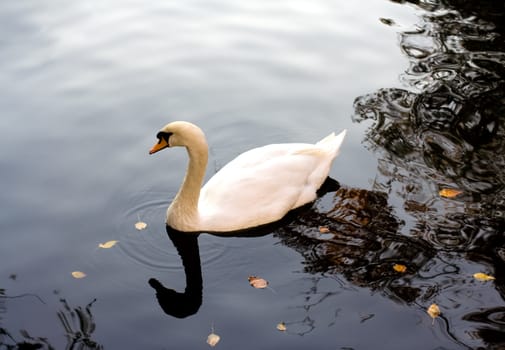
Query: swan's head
point(178, 134)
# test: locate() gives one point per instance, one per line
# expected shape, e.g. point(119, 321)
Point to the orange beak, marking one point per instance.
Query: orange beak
point(159, 146)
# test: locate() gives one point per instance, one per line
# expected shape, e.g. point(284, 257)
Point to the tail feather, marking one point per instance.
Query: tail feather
point(333, 142)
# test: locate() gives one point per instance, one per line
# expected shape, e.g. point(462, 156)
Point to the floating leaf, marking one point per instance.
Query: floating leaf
point(433, 311)
point(324, 229)
point(140, 225)
point(449, 192)
point(78, 274)
point(213, 339)
point(257, 282)
point(399, 268)
point(107, 245)
point(483, 277)
point(387, 21)
point(282, 327)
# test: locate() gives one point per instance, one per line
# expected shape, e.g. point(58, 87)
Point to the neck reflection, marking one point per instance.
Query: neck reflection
point(187, 303)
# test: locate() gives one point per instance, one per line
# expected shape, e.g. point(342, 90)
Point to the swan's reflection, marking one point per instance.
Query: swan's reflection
point(361, 244)
point(188, 303)
point(184, 304)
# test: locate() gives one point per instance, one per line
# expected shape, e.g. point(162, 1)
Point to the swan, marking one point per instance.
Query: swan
point(258, 187)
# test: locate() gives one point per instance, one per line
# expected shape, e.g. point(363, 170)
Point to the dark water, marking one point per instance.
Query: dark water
point(85, 87)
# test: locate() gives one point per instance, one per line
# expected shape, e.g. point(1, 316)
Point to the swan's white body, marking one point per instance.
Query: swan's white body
point(258, 187)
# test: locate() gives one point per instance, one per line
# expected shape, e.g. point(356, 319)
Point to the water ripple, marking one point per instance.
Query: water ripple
point(152, 247)
point(446, 129)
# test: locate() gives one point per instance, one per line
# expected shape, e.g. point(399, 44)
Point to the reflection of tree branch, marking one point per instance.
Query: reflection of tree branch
point(79, 326)
point(5, 333)
point(321, 297)
point(307, 321)
point(22, 296)
point(450, 331)
point(491, 324)
point(360, 241)
point(77, 323)
point(448, 130)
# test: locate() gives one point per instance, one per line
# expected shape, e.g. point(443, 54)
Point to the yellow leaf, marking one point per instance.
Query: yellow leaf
point(213, 339)
point(78, 274)
point(483, 277)
point(257, 282)
point(433, 311)
point(108, 244)
point(140, 225)
point(281, 327)
point(324, 229)
point(399, 268)
point(449, 192)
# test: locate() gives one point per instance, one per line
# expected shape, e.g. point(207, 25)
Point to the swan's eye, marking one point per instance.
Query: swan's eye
point(163, 136)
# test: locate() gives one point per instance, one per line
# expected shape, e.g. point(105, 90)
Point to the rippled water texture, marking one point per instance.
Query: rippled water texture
point(418, 85)
point(446, 130)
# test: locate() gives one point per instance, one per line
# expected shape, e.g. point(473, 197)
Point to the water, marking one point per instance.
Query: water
point(86, 86)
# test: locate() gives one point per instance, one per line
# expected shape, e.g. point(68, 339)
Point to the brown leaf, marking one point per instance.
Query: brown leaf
point(324, 229)
point(257, 282)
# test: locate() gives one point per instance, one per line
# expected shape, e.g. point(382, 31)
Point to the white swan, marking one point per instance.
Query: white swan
point(258, 187)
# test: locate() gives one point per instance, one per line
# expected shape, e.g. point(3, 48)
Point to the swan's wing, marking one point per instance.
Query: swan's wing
point(263, 184)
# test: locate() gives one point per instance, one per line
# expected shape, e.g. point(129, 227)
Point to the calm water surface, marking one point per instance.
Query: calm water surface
point(86, 86)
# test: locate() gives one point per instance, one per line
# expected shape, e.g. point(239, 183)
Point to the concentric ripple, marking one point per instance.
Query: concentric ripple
point(152, 247)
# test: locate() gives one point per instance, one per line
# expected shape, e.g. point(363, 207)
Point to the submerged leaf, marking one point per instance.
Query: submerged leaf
point(107, 245)
point(282, 327)
point(483, 277)
point(140, 225)
point(78, 274)
point(399, 268)
point(433, 311)
point(449, 192)
point(257, 282)
point(324, 229)
point(213, 339)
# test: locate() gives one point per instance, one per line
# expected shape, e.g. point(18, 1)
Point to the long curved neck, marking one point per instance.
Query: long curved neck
point(185, 204)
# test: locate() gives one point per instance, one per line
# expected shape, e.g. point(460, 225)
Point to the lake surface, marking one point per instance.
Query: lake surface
point(87, 85)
